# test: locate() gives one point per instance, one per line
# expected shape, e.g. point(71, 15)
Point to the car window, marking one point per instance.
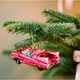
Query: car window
point(43, 55)
point(26, 53)
point(46, 55)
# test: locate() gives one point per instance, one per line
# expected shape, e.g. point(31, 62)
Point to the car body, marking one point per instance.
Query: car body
point(39, 58)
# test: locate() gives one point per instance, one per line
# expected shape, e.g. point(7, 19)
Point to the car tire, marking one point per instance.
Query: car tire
point(40, 69)
point(18, 61)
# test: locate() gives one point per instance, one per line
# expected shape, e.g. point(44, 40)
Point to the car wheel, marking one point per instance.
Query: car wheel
point(18, 61)
point(40, 69)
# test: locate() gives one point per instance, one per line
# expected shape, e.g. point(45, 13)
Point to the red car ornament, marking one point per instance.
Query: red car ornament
point(42, 59)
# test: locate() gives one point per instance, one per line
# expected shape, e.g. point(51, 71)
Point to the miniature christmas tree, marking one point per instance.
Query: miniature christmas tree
point(60, 33)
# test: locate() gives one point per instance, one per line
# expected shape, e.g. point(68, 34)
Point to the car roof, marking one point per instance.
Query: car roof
point(38, 51)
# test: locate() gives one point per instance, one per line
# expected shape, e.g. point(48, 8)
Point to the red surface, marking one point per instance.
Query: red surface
point(36, 57)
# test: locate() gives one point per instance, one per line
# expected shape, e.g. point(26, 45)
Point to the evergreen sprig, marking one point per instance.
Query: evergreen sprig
point(60, 33)
point(54, 16)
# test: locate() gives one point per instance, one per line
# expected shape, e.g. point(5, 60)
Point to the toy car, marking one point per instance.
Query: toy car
point(42, 59)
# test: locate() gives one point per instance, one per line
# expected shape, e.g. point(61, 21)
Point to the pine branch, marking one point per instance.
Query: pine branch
point(7, 52)
point(23, 27)
point(60, 33)
point(40, 29)
point(64, 50)
point(29, 42)
point(54, 16)
point(46, 32)
point(66, 66)
point(23, 43)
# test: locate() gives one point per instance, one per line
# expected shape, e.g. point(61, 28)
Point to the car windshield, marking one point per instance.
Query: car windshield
point(26, 53)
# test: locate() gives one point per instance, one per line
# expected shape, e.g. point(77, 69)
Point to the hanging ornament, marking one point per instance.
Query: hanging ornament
point(42, 59)
point(76, 57)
